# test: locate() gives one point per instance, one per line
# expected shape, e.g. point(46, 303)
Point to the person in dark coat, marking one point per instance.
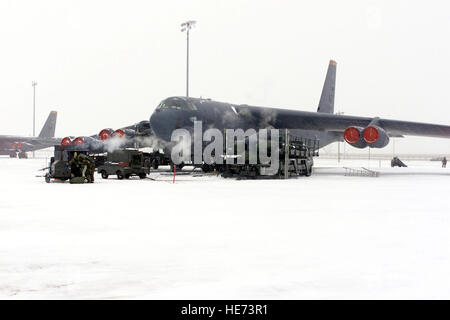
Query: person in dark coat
point(74, 165)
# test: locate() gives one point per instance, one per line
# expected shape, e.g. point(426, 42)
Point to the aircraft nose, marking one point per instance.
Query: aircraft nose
point(163, 122)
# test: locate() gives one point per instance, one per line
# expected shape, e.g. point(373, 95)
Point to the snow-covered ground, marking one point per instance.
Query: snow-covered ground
point(326, 236)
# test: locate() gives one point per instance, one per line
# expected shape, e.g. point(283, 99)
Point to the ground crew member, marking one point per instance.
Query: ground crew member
point(444, 162)
point(84, 164)
point(90, 170)
point(74, 164)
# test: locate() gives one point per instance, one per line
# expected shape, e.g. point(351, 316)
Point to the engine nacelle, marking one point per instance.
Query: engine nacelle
point(375, 137)
point(122, 133)
point(354, 137)
point(66, 141)
point(95, 145)
point(105, 134)
point(16, 145)
point(143, 126)
point(130, 133)
point(119, 133)
point(78, 141)
point(147, 132)
point(89, 143)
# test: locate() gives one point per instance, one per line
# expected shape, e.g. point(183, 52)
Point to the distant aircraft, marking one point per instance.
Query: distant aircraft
point(19, 145)
point(323, 125)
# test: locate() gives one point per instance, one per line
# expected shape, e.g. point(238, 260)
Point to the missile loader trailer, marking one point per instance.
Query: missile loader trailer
point(295, 159)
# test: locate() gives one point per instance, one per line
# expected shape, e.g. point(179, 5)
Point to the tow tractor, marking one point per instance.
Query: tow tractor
point(124, 163)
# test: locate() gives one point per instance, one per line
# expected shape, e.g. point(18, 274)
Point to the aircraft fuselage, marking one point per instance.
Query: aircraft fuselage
point(179, 112)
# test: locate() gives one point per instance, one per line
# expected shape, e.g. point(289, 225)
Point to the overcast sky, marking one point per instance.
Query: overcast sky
point(109, 63)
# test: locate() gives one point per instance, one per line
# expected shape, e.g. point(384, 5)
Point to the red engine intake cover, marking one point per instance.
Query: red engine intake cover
point(351, 135)
point(19, 145)
point(119, 133)
point(104, 135)
point(371, 134)
point(66, 141)
point(14, 145)
point(78, 141)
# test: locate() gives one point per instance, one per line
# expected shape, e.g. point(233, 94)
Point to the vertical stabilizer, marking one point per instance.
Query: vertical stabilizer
point(326, 104)
point(48, 130)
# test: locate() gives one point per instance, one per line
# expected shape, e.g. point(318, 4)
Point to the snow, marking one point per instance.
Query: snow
point(327, 236)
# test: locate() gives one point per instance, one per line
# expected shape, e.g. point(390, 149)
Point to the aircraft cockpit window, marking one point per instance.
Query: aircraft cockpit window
point(191, 106)
point(160, 106)
point(176, 104)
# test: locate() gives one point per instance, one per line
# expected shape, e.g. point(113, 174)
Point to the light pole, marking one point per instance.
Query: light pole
point(34, 84)
point(186, 26)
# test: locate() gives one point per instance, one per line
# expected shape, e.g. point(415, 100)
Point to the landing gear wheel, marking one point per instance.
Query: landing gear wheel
point(179, 166)
point(254, 171)
point(206, 168)
point(13, 155)
point(104, 174)
point(23, 155)
point(127, 176)
point(155, 164)
point(119, 175)
point(308, 171)
point(142, 175)
point(47, 178)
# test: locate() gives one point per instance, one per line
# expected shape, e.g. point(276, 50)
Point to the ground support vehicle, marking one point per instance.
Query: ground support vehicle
point(124, 163)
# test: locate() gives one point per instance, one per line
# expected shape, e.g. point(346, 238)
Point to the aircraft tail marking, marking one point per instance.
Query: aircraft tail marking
point(326, 104)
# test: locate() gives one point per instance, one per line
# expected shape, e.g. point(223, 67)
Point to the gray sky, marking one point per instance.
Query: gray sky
point(109, 63)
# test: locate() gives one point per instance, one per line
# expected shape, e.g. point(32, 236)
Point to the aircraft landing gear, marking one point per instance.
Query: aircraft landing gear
point(23, 155)
point(179, 167)
point(13, 155)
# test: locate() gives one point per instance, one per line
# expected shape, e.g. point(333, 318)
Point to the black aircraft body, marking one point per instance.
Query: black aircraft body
point(13, 145)
point(323, 125)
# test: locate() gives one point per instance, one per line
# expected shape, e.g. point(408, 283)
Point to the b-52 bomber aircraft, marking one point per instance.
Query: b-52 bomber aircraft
point(20, 145)
point(323, 125)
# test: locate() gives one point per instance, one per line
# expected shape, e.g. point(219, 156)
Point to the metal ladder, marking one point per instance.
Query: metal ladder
point(363, 172)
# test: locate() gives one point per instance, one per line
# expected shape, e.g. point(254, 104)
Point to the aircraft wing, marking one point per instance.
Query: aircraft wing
point(14, 143)
point(98, 142)
point(292, 119)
